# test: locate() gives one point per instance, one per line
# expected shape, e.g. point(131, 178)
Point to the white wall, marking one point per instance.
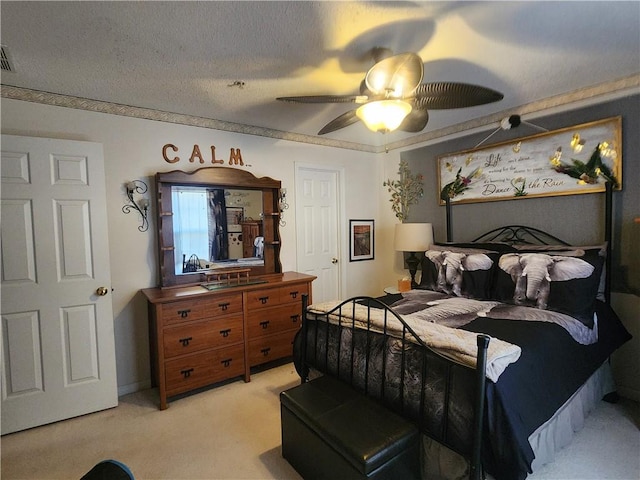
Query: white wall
point(133, 150)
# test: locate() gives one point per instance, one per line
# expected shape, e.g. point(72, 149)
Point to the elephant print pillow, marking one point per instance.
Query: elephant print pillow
point(567, 284)
point(459, 271)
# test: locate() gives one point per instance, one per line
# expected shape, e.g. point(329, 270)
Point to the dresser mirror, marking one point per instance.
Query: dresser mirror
point(216, 218)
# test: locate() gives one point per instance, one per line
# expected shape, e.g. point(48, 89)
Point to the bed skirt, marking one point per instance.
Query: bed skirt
point(558, 431)
point(439, 462)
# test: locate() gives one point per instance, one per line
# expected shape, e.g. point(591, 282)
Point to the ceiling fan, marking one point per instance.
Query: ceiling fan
point(393, 97)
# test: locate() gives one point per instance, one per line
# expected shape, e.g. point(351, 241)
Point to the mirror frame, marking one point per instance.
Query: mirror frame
point(218, 177)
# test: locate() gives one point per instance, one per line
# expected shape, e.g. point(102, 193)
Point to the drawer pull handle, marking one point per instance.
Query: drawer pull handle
point(264, 324)
point(184, 313)
point(265, 351)
point(223, 306)
point(263, 300)
point(226, 362)
point(186, 373)
point(185, 341)
point(225, 333)
point(294, 294)
point(294, 318)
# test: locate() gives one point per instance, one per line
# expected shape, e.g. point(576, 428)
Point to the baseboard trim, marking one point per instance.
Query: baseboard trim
point(133, 387)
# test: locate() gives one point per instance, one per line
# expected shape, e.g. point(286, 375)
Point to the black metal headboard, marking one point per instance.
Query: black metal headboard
point(522, 234)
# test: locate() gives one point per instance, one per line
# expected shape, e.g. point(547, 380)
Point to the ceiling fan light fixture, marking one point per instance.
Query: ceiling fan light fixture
point(383, 115)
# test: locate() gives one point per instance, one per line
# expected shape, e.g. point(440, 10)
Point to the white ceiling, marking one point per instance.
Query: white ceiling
point(184, 57)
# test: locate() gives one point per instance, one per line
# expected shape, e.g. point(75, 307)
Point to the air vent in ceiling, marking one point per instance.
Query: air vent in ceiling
point(5, 60)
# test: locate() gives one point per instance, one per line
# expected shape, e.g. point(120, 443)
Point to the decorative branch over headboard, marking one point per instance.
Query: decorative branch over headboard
point(573, 160)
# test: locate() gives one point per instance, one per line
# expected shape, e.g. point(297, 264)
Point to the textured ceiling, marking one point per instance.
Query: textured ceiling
point(185, 57)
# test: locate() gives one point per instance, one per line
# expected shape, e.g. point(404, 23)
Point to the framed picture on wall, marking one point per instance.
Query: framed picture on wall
point(361, 240)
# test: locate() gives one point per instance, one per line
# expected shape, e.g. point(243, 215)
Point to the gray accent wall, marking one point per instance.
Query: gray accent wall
point(577, 219)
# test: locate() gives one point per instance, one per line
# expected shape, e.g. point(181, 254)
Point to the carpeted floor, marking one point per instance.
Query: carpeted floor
point(233, 432)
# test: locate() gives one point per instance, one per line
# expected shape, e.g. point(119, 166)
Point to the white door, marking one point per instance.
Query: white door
point(317, 201)
point(58, 353)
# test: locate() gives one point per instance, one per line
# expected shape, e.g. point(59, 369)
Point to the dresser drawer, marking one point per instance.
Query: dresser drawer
point(192, 371)
point(183, 311)
point(272, 347)
point(276, 296)
point(183, 339)
point(273, 320)
point(188, 310)
point(263, 298)
point(293, 293)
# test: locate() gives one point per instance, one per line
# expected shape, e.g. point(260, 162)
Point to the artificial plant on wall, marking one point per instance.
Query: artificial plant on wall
point(405, 191)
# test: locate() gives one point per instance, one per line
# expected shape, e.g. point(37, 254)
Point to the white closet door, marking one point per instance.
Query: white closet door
point(317, 206)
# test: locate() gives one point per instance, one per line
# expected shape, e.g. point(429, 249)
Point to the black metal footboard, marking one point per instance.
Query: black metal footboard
point(444, 398)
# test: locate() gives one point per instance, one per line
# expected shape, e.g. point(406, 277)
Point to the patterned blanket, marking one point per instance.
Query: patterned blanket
point(459, 345)
point(436, 317)
point(455, 312)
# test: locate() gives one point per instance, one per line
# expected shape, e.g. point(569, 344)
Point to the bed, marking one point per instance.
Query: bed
point(546, 362)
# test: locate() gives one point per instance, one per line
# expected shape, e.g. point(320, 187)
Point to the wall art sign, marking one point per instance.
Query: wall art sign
point(361, 238)
point(169, 155)
point(572, 160)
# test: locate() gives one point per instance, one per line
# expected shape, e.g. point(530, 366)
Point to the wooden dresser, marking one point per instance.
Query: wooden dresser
point(200, 337)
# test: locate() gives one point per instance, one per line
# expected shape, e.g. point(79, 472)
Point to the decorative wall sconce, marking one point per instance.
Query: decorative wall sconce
point(282, 204)
point(141, 206)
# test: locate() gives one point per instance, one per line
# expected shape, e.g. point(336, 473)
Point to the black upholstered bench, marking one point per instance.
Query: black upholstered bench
point(330, 431)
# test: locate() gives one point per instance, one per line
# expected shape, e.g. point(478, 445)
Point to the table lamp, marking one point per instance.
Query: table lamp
point(413, 238)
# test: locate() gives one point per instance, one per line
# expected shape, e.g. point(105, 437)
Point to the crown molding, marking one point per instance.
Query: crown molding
point(68, 101)
point(578, 98)
point(589, 95)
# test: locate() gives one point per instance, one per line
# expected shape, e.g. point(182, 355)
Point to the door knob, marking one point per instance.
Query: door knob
point(102, 291)
point(334, 260)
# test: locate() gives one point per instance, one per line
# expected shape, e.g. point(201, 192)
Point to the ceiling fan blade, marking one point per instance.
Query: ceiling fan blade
point(397, 76)
point(344, 120)
point(416, 121)
point(326, 99)
point(444, 95)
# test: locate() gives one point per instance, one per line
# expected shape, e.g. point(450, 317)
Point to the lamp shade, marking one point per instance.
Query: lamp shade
point(413, 237)
point(383, 115)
